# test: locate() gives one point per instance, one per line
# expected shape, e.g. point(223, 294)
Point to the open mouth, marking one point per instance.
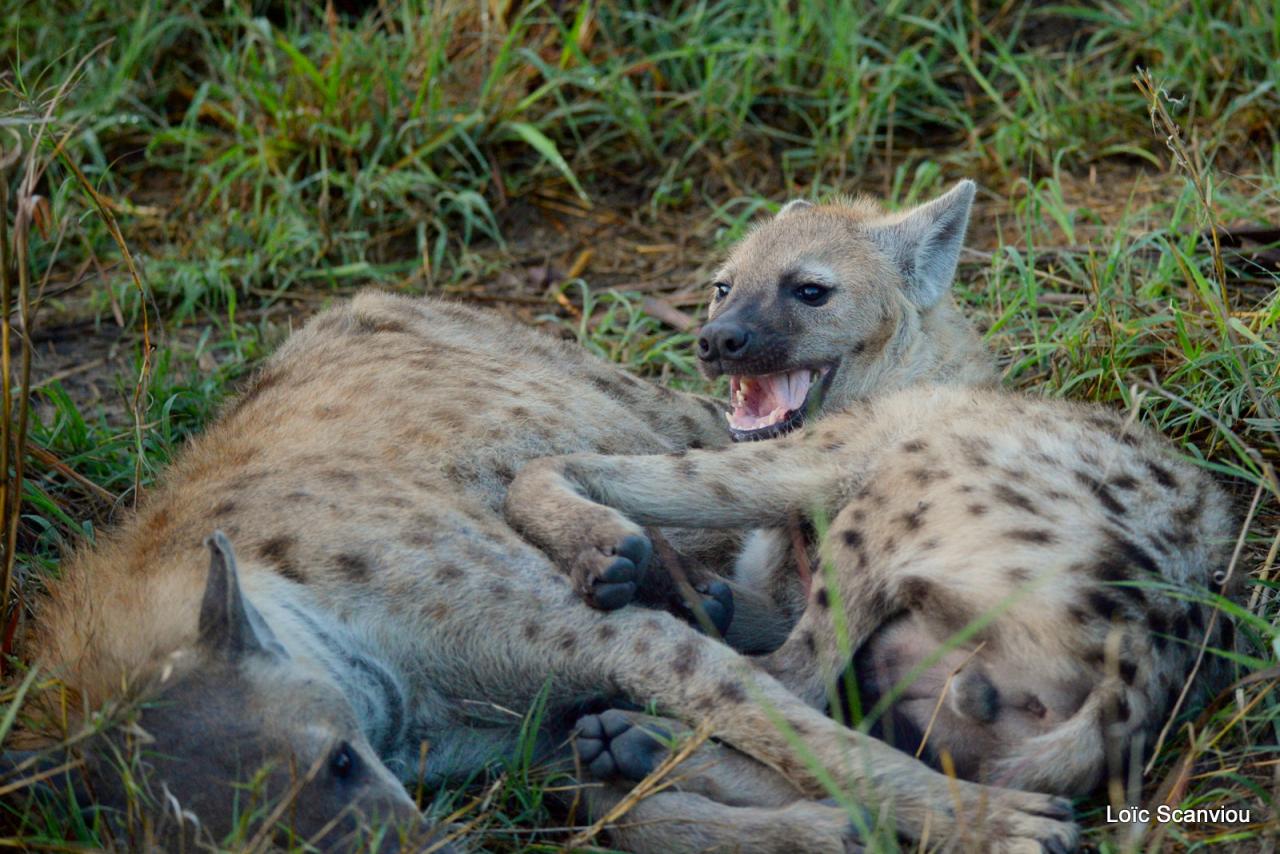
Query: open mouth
point(771, 405)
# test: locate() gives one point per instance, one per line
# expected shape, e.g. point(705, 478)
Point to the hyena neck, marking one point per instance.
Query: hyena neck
point(333, 649)
point(936, 347)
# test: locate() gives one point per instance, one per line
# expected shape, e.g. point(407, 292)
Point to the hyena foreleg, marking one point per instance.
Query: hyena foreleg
point(587, 510)
point(584, 509)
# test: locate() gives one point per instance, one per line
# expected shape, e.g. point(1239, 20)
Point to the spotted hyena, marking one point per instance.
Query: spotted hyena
point(365, 601)
point(1029, 569)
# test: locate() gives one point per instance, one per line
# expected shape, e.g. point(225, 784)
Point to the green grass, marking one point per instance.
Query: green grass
point(262, 159)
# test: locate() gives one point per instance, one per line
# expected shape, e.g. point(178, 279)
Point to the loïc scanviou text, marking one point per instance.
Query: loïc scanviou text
point(1165, 814)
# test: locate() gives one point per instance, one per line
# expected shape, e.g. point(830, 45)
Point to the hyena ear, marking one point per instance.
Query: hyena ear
point(792, 207)
point(229, 624)
point(925, 243)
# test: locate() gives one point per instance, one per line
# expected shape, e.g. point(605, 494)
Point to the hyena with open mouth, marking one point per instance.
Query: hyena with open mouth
point(1029, 569)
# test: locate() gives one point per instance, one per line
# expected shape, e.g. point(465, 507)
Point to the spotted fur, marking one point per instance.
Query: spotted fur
point(1067, 546)
point(361, 479)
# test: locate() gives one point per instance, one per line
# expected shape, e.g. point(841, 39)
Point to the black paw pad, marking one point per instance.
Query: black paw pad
point(611, 747)
point(716, 599)
point(616, 587)
point(637, 549)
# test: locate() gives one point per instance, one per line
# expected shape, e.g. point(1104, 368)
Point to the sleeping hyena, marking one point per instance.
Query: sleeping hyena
point(366, 602)
point(1028, 568)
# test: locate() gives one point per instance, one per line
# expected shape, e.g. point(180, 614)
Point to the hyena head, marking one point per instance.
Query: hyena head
point(234, 738)
point(821, 305)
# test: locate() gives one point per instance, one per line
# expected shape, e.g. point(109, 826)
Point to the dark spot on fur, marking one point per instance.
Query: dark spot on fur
point(731, 692)
point(500, 592)
point(810, 643)
point(821, 597)
point(723, 493)
point(1102, 493)
point(975, 449)
point(852, 538)
point(686, 468)
point(567, 640)
point(1181, 627)
point(859, 348)
point(1019, 575)
point(354, 566)
point(225, 508)
point(1227, 628)
point(641, 647)
point(1122, 709)
point(915, 446)
point(924, 476)
point(608, 387)
point(606, 633)
point(1032, 535)
point(1128, 670)
point(278, 551)
point(686, 659)
point(977, 509)
point(418, 539)
point(1132, 552)
point(1162, 475)
point(531, 630)
point(1196, 613)
point(448, 573)
point(1014, 498)
point(922, 596)
point(1123, 481)
point(1102, 604)
point(915, 519)
point(346, 478)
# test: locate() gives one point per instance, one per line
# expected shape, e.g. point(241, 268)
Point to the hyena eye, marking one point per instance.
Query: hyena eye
point(722, 290)
point(343, 762)
point(811, 294)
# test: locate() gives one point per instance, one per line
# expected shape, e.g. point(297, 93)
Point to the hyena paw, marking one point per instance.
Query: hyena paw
point(613, 745)
point(716, 601)
point(1032, 822)
point(610, 569)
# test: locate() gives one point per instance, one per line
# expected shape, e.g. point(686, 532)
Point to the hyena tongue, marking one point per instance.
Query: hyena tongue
point(765, 400)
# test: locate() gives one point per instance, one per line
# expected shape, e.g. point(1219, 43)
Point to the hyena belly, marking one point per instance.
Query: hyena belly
point(1068, 551)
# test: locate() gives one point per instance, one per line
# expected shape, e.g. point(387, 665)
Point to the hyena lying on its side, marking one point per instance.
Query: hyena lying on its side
point(1084, 538)
point(377, 601)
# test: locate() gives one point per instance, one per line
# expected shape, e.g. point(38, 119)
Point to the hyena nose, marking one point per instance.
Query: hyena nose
point(723, 341)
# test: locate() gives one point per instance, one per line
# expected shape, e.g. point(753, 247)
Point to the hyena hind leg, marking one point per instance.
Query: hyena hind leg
point(718, 800)
point(685, 821)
